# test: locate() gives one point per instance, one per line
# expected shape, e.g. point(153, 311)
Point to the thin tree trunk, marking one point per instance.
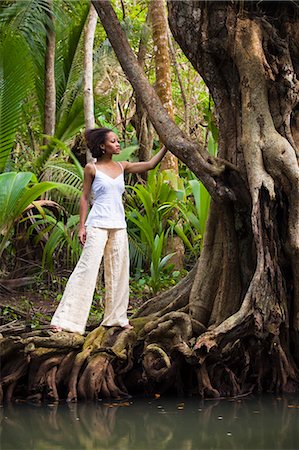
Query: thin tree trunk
point(164, 91)
point(162, 67)
point(141, 122)
point(182, 88)
point(90, 28)
point(50, 89)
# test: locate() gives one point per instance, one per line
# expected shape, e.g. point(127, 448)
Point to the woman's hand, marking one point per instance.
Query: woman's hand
point(82, 235)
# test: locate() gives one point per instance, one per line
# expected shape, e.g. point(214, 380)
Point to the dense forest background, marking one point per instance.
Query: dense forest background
point(45, 48)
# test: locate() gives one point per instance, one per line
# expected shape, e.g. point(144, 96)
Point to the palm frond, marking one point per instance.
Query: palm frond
point(71, 119)
point(63, 242)
point(137, 250)
point(54, 146)
point(69, 77)
point(66, 173)
point(28, 17)
point(15, 82)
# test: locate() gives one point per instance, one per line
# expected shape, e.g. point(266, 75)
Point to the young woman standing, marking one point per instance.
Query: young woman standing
point(102, 233)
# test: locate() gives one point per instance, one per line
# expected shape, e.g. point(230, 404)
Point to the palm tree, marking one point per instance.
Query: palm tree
point(26, 26)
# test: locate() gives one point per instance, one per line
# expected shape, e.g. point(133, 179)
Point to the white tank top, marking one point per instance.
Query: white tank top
point(107, 210)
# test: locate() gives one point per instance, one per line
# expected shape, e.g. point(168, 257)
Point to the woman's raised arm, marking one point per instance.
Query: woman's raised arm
point(144, 166)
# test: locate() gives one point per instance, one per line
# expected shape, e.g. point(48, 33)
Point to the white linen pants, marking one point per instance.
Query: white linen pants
point(73, 310)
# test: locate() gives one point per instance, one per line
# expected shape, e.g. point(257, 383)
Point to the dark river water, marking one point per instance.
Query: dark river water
point(267, 422)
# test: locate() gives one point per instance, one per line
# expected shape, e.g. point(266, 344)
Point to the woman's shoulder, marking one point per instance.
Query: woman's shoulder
point(90, 167)
point(90, 170)
point(124, 164)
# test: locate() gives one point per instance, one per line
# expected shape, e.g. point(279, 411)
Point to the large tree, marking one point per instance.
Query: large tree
point(232, 325)
point(246, 286)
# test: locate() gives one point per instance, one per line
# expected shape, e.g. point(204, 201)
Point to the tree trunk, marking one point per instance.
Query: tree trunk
point(181, 84)
point(50, 89)
point(140, 121)
point(162, 67)
point(250, 303)
point(164, 91)
point(90, 29)
point(231, 327)
point(89, 33)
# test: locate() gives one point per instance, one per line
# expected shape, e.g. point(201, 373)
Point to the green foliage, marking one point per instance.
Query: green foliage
point(149, 210)
point(149, 206)
point(26, 23)
point(96, 312)
point(69, 175)
point(65, 173)
point(27, 17)
point(193, 207)
point(17, 191)
point(15, 81)
point(25, 312)
point(69, 76)
point(61, 244)
point(202, 204)
point(150, 218)
point(159, 263)
point(142, 287)
point(8, 314)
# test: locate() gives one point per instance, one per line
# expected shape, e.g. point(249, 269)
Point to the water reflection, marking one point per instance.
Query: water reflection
point(257, 423)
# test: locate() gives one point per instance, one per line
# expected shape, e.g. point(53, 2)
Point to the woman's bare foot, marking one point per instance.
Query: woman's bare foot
point(56, 328)
point(128, 327)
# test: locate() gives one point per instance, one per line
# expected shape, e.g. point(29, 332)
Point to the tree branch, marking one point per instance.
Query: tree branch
point(205, 167)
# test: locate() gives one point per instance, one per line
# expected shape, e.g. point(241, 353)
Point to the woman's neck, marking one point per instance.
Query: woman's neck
point(106, 159)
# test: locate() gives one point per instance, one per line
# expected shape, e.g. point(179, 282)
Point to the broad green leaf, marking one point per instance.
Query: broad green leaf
point(15, 196)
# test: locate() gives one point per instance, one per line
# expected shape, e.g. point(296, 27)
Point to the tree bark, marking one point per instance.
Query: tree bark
point(164, 91)
point(251, 72)
point(181, 84)
point(50, 88)
point(162, 68)
point(141, 122)
point(89, 33)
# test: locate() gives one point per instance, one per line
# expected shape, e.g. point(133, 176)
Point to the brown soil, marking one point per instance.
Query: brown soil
point(29, 308)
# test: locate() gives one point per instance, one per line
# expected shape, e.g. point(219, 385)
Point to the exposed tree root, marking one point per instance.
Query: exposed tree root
point(247, 352)
point(224, 361)
point(14, 372)
point(205, 388)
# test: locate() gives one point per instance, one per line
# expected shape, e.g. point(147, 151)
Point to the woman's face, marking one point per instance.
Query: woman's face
point(112, 146)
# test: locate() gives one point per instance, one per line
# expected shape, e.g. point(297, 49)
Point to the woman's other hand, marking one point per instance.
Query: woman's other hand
point(82, 235)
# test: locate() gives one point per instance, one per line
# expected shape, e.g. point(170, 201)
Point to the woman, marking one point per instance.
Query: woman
point(102, 233)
